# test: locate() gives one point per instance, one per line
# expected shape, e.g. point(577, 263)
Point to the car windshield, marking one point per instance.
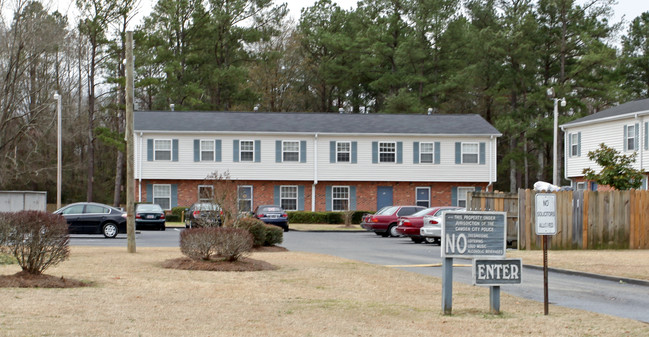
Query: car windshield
point(387, 210)
point(423, 212)
point(207, 207)
point(271, 209)
point(149, 208)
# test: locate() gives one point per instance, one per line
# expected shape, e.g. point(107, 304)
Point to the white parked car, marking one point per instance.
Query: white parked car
point(432, 228)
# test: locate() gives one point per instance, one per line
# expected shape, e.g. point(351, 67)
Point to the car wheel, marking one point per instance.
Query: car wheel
point(392, 231)
point(417, 240)
point(163, 227)
point(430, 240)
point(109, 230)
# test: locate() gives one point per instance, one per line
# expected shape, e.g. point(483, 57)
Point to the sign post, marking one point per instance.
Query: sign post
point(494, 273)
point(546, 224)
point(471, 235)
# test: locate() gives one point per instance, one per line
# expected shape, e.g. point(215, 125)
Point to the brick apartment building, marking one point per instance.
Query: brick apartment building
point(314, 161)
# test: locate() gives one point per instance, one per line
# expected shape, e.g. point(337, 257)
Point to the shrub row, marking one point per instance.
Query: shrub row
point(263, 235)
point(203, 243)
point(324, 217)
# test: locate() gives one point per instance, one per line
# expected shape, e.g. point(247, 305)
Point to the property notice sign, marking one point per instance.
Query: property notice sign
point(497, 272)
point(474, 234)
point(546, 214)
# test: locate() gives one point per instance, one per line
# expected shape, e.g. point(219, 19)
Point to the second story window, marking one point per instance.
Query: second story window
point(343, 150)
point(470, 152)
point(387, 152)
point(630, 138)
point(247, 150)
point(207, 150)
point(162, 149)
point(574, 144)
point(291, 151)
point(426, 153)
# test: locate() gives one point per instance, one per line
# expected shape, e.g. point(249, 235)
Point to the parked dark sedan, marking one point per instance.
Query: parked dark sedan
point(203, 214)
point(149, 216)
point(93, 218)
point(272, 215)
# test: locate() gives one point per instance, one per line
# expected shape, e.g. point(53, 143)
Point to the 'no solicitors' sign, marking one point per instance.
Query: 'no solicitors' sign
point(474, 234)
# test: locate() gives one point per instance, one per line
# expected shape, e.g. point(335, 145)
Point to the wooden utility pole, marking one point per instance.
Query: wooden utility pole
point(130, 176)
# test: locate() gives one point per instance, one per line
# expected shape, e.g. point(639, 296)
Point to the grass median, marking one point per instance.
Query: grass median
point(309, 295)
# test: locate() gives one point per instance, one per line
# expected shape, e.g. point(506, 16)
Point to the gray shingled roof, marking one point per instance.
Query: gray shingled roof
point(184, 121)
point(629, 108)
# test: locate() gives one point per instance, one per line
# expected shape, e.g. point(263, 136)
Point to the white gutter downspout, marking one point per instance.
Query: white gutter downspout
point(641, 146)
point(491, 159)
point(139, 169)
point(315, 171)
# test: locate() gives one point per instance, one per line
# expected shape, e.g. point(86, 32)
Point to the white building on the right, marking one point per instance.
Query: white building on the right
point(624, 127)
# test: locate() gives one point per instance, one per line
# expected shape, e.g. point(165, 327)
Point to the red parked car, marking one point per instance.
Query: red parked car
point(410, 225)
point(384, 222)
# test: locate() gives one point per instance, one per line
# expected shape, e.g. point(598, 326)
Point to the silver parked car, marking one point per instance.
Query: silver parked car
point(432, 227)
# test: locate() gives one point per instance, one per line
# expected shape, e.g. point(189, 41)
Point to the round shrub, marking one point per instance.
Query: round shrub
point(233, 243)
point(256, 228)
point(226, 242)
point(36, 239)
point(198, 243)
point(274, 235)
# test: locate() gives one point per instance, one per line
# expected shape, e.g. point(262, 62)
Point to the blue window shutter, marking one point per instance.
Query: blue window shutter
point(352, 198)
point(458, 154)
point(569, 145)
point(300, 198)
point(399, 152)
point(415, 152)
point(257, 151)
point(593, 186)
point(175, 149)
point(483, 154)
point(478, 189)
point(332, 151)
point(235, 151)
point(217, 150)
point(624, 142)
point(375, 152)
point(303, 151)
point(578, 144)
point(354, 152)
point(438, 154)
point(149, 193)
point(278, 151)
point(197, 150)
point(276, 195)
point(454, 196)
point(646, 136)
point(149, 149)
point(637, 137)
point(328, 198)
point(174, 195)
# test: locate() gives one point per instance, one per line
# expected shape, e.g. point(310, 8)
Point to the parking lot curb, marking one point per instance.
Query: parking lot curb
point(592, 275)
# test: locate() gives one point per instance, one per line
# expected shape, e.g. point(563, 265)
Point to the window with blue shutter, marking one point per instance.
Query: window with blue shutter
point(276, 196)
point(257, 151)
point(174, 195)
point(235, 151)
point(415, 152)
point(278, 151)
point(197, 150)
point(399, 152)
point(149, 149)
point(483, 151)
point(149, 193)
point(352, 198)
point(332, 151)
point(354, 152)
point(217, 150)
point(300, 198)
point(437, 152)
point(454, 196)
point(328, 198)
point(458, 154)
point(303, 151)
point(375, 152)
point(175, 150)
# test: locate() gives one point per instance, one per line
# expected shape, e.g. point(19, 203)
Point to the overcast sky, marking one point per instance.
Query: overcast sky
point(630, 9)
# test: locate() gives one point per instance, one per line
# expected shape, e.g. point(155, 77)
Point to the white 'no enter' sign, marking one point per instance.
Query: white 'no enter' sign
point(546, 214)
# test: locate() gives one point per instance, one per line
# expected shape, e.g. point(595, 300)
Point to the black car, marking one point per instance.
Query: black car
point(203, 214)
point(94, 218)
point(149, 216)
point(272, 215)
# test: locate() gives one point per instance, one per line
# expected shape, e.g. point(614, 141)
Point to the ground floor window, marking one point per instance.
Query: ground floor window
point(423, 196)
point(462, 195)
point(340, 198)
point(288, 198)
point(162, 196)
point(205, 193)
point(245, 198)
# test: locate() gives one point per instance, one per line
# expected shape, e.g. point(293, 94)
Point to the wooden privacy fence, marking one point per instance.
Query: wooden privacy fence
point(585, 219)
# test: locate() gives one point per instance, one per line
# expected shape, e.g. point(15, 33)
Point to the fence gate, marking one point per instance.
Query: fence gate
point(499, 202)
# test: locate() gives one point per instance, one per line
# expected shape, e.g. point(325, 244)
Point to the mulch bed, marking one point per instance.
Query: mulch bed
point(26, 280)
point(243, 264)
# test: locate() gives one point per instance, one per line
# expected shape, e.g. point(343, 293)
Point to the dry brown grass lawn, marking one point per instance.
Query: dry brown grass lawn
point(622, 263)
point(309, 295)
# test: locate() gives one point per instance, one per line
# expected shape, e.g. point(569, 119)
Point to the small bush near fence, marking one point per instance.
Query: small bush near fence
point(176, 214)
point(204, 243)
point(324, 217)
point(37, 240)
